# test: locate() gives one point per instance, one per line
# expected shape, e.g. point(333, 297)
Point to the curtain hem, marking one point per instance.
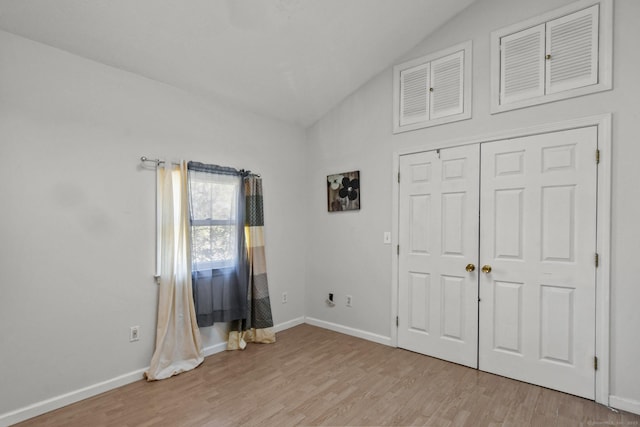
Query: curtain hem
point(238, 340)
point(174, 369)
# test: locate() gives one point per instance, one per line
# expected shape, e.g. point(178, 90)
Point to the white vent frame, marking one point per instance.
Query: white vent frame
point(467, 50)
point(605, 55)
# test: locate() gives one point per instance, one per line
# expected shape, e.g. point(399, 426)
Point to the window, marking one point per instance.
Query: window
point(562, 54)
point(433, 90)
point(219, 268)
point(214, 220)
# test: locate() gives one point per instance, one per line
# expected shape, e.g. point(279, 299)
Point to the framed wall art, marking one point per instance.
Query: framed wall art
point(343, 191)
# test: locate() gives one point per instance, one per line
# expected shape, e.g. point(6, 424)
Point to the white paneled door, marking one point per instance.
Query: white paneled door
point(438, 297)
point(538, 236)
point(497, 257)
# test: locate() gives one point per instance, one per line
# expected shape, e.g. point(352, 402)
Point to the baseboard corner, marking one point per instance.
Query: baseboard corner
point(625, 404)
point(289, 324)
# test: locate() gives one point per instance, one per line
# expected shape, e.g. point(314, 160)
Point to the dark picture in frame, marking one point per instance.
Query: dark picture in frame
point(343, 191)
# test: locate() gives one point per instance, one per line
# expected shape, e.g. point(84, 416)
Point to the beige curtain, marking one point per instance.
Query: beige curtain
point(178, 345)
point(258, 325)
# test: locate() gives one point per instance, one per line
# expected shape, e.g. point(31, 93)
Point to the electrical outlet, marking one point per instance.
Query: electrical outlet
point(349, 300)
point(134, 333)
point(284, 297)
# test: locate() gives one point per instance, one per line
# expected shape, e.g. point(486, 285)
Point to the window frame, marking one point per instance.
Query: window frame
point(235, 224)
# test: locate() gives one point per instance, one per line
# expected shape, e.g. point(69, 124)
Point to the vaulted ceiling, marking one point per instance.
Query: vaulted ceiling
point(292, 60)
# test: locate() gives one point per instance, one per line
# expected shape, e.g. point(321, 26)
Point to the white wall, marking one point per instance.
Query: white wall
point(76, 217)
point(77, 213)
point(347, 255)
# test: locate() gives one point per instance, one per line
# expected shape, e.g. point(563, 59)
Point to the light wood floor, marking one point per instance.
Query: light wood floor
point(312, 376)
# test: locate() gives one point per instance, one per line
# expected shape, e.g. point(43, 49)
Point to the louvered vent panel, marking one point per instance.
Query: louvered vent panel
point(413, 95)
point(447, 73)
point(572, 43)
point(447, 78)
point(522, 70)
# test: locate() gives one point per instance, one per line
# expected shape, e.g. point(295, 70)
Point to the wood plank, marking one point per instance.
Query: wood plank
point(312, 376)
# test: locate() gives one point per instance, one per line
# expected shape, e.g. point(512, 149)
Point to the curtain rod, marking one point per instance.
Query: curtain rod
point(146, 159)
point(158, 162)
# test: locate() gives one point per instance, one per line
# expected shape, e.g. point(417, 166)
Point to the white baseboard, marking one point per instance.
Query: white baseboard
point(58, 402)
point(628, 405)
point(213, 349)
point(380, 339)
point(289, 324)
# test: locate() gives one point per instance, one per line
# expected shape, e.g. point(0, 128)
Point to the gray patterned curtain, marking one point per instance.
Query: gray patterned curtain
point(258, 325)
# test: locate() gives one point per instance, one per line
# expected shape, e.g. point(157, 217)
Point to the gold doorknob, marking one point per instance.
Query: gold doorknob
point(470, 267)
point(486, 269)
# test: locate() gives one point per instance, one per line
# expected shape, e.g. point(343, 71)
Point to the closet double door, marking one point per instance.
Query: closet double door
point(496, 262)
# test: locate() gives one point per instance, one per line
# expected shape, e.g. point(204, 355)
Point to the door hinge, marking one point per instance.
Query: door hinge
point(397, 321)
point(398, 177)
point(597, 156)
point(597, 259)
point(398, 249)
point(595, 363)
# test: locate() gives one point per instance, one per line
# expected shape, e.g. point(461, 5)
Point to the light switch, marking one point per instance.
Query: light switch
point(387, 238)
